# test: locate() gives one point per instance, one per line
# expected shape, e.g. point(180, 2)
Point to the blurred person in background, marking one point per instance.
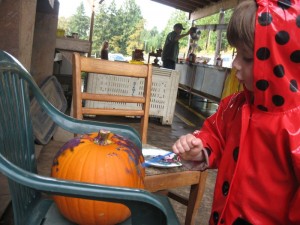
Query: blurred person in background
point(171, 48)
point(104, 50)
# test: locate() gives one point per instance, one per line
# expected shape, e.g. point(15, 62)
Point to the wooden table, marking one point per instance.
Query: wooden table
point(163, 179)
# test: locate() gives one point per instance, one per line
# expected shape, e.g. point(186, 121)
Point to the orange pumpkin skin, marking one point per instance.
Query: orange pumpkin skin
point(117, 162)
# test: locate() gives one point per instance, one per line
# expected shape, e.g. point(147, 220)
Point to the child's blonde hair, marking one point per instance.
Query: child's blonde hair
point(242, 24)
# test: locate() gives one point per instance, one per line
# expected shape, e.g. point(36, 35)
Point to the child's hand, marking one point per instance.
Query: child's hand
point(189, 148)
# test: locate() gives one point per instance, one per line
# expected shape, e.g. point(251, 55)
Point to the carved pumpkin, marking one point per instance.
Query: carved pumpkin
point(100, 158)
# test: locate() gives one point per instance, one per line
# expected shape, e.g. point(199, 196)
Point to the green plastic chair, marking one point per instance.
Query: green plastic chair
point(18, 161)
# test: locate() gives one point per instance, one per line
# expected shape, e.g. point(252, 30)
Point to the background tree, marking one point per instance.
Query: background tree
point(124, 28)
point(119, 26)
point(105, 26)
point(208, 38)
point(63, 23)
point(153, 39)
point(131, 18)
point(80, 23)
point(135, 39)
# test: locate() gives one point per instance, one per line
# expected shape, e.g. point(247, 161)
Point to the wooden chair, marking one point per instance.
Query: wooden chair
point(18, 161)
point(105, 67)
point(156, 180)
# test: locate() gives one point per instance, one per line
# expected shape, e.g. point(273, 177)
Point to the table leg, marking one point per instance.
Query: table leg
point(195, 198)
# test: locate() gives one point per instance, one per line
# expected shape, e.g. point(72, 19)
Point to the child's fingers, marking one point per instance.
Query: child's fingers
point(181, 145)
point(177, 148)
point(196, 142)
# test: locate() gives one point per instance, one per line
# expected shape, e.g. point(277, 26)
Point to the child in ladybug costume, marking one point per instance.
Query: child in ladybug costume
point(254, 137)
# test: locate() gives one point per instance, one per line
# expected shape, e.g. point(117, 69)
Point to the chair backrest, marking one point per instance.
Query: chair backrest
point(16, 131)
point(105, 68)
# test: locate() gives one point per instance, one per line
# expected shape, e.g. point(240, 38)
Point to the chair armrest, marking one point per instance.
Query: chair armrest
point(136, 200)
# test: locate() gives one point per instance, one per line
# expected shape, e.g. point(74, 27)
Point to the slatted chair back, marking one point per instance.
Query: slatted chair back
point(106, 68)
point(16, 133)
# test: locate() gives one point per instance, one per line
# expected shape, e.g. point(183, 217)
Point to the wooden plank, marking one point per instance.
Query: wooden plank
point(171, 180)
point(213, 27)
point(112, 112)
point(212, 9)
point(73, 44)
point(112, 98)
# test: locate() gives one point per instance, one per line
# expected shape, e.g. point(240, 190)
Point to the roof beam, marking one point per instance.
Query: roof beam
point(212, 27)
point(213, 8)
point(180, 4)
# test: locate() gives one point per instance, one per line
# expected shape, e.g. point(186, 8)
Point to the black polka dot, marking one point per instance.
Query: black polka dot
point(284, 4)
point(252, 100)
point(236, 153)
point(262, 108)
point(295, 56)
point(262, 85)
point(278, 71)
point(263, 53)
point(282, 37)
point(240, 221)
point(278, 100)
point(215, 216)
point(293, 86)
point(208, 150)
point(298, 21)
point(225, 188)
point(222, 221)
point(265, 19)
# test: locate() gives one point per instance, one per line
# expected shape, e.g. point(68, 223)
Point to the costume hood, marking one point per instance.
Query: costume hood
point(277, 55)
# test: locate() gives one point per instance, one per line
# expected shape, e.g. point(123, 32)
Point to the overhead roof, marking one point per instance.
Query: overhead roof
point(199, 8)
point(187, 5)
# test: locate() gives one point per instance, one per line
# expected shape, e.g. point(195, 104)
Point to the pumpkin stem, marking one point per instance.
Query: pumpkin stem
point(102, 138)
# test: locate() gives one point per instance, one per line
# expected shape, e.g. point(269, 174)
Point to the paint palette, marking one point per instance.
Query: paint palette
point(160, 158)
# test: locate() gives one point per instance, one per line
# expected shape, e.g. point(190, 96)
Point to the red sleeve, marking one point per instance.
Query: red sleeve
point(215, 129)
point(294, 215)
point(212, 137)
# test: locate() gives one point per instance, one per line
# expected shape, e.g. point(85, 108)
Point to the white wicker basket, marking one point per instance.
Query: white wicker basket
point(163, 92)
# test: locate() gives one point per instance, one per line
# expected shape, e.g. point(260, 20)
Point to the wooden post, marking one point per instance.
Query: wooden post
point(92, 28)
point(219, 35)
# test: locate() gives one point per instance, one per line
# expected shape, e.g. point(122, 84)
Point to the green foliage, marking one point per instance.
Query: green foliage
point(132, 23)
point(79, 23)
point(63, 23)
point(208, 38)
point(152, 40)
point(105, 19)
point(124, 28)
point(135, 39)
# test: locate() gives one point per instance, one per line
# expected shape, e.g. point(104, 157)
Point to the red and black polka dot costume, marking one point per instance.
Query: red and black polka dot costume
point(277, 52)
point(255, 145)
